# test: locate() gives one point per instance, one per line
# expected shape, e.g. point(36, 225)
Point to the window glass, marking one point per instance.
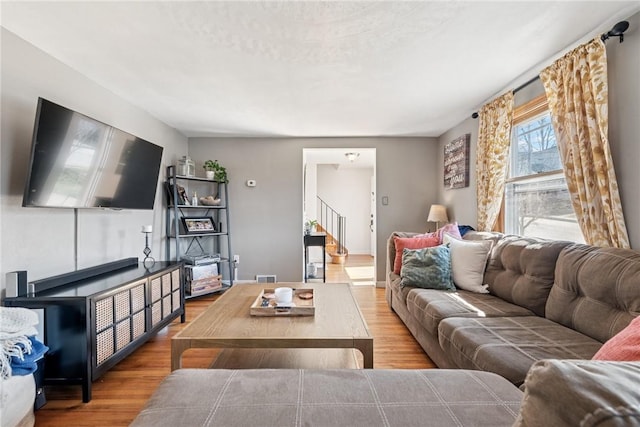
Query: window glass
point(536, 150)
point(537, 201)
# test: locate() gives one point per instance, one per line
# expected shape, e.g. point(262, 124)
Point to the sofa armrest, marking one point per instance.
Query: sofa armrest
point(581, 393)
point(391, 256)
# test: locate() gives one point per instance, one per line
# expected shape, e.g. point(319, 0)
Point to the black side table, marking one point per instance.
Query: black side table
point(315, 239)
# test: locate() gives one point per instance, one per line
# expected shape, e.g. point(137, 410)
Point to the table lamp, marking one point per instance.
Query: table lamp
point(438, 214)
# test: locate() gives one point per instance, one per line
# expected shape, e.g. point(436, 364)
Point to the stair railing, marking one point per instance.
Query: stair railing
point(334, 224)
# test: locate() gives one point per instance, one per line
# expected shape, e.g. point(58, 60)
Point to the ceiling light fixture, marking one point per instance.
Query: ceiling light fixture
point(352, 156)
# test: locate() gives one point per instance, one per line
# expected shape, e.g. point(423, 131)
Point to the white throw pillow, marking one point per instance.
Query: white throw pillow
point(468, 262)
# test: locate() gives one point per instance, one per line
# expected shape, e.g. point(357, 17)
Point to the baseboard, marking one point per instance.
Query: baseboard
point(381, 284)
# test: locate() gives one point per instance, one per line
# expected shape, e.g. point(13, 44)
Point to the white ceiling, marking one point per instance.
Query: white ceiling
point(312, 68)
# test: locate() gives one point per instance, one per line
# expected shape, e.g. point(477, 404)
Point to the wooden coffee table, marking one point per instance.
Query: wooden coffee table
point(337, 323)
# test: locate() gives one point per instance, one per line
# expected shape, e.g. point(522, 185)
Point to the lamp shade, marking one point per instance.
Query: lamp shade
point(438, 213)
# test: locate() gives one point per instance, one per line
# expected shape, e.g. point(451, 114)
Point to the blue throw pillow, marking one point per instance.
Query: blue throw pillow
point(428, 268)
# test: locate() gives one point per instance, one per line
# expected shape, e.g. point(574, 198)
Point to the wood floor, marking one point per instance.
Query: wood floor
point(122, 392)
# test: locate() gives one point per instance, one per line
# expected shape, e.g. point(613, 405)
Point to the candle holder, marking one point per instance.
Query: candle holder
point(148, 260)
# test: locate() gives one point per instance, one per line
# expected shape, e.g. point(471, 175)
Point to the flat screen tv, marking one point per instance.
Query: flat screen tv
point(79, 162)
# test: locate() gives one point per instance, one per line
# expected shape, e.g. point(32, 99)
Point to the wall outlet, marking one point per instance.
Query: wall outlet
point(236, 259)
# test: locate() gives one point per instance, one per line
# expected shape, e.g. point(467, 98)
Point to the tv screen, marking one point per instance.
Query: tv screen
point(79, 162)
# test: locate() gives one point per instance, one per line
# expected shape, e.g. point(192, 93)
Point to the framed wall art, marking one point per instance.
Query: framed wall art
point(456, 162)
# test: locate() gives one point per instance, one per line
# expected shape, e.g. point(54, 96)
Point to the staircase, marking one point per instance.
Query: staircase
point(335, 226)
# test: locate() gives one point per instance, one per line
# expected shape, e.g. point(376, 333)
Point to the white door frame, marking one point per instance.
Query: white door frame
point(337, 156)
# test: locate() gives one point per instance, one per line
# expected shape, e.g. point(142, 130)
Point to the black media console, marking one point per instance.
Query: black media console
point(95, 317)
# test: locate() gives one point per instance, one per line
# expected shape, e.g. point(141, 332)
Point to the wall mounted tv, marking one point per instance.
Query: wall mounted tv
point(79, 162)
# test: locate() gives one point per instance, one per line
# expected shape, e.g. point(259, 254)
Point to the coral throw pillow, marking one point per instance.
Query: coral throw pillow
point(624, 346)
point(411, 243)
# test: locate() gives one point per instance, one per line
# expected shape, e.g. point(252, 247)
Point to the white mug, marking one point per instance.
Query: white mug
point(284, 296)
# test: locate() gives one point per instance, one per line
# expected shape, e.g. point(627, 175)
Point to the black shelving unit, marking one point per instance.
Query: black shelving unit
point(206, 241)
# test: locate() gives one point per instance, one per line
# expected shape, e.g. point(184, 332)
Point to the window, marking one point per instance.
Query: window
point(537, 201)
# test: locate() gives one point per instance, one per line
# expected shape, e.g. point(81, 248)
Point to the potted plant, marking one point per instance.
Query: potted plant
point(308, 225)
point(215, 171)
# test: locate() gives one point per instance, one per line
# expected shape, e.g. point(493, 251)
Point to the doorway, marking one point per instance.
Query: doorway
point(342, 181)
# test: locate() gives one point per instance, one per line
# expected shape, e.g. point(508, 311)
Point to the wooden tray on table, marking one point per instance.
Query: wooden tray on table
point(303, 304)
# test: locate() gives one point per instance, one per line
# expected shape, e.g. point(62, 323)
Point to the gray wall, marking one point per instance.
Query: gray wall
point(40, 240)
point(623, 60)
point(460, 202)
point(266, 221)
point(624, 134)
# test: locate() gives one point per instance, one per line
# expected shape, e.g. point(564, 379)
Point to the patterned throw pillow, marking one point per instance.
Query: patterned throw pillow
point(410, 243)
point(428, 268)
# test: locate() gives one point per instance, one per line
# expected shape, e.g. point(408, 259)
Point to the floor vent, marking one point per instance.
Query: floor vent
point(266, 278)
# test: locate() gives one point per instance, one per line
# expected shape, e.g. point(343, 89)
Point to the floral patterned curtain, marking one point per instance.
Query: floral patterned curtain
point(492, 164)
point(577, 91)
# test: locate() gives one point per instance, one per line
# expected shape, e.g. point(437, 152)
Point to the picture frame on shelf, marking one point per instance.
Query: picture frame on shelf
point(198, 224)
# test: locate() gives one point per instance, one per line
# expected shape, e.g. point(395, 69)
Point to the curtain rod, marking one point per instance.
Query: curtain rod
point(518, 89)
point(617, 31)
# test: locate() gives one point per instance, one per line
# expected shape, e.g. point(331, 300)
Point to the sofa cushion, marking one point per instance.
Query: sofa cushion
point(473, 235)
point(597, 393)
point(354, 397)
point(390, 259)
point(402, 243)
point(597, 290)
point(509, 346)
point(468, 262)
point(396, 287)
point(427, 268)
point(430, 306)
point(521, 270)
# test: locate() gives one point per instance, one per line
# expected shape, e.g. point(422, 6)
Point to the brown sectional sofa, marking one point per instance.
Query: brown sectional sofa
point(547, 300)
point(331, 397)
point(550, 303)
point(559, 393)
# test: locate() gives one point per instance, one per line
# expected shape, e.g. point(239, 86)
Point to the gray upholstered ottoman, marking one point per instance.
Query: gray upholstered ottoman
point(349, 397)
